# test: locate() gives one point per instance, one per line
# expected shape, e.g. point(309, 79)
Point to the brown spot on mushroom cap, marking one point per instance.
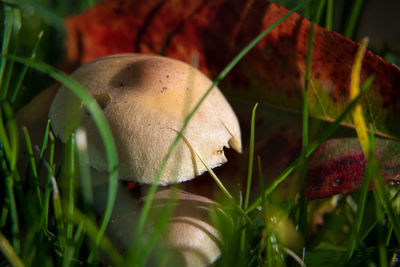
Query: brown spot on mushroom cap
point(145, 122)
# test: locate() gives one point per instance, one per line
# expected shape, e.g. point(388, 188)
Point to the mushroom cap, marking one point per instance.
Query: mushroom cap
point(146, 99)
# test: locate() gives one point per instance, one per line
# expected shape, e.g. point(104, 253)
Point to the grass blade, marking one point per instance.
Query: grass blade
point(13, 214)
point(58, 214)
point(101, 123)
point(329, 15)
point(32, 164)
point(93, 232)
point(305, 125)
point(71, 184)
point(352, 22)
point(383, 195)
point(13, 135)
point(47, 190)
point(4, 142)
point(382, 252)
point(358, 118)
point(9, 252)
point(251, 158)
point(45, 139)
point(14, 92)
point(355, 231)
point(250, 172)
point(12, 25)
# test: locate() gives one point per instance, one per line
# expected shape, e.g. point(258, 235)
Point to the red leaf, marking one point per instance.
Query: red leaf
point(273, 72)
point(338, 166)
point(215, 31)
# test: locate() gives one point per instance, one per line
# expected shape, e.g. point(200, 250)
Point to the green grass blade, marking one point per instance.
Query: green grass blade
point(318, 15)
point(305, 125)
point(13, 135)
point(14, 92)
point(251, 158)
point(9, 252)
point(47, 189)
point(12, 25)
point(328, 132)
point(329, 15)
point(4, 142)
point(383, 195)
point(45, 139)
point(224, 190)
point(7, 31)
point(355, 230)
point(32, 164)
point(13, 21)
point(382, 252)
point(249, 172)
point(4, 212)
point(352, 21)
point(71, 185)
point(261, 178)
point(44, 147)
point(93, 232)
point(101, 123)
point(58, 214)
point(13, 214)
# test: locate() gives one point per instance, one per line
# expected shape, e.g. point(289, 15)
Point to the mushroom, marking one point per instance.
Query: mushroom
point(190, 237)
point(146, 99)
point(190, 230)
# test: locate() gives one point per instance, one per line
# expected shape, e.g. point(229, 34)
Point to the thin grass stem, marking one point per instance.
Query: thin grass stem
point(32, 165)
point(71, 185)
point(251, 158)
point(12, 25)
point(305, 127)
point(329, 15)
point(12, 134)
point(14, 92)
point(58, 214)
point(249, 172)
point(93, 231)
point(9, 252)
point(355, 231)
point(13, 214)
point(382, 252)
point(353, 18)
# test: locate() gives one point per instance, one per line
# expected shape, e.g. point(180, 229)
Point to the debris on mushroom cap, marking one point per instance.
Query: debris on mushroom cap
point(146, 99)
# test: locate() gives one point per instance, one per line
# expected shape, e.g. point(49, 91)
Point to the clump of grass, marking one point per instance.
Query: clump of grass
point(47, 223)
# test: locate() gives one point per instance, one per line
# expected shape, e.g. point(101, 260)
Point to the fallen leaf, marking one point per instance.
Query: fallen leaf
point(213, 32)
point(338, 166)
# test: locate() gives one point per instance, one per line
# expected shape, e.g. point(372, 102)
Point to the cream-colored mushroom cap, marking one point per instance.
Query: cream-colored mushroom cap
point(145, 99)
